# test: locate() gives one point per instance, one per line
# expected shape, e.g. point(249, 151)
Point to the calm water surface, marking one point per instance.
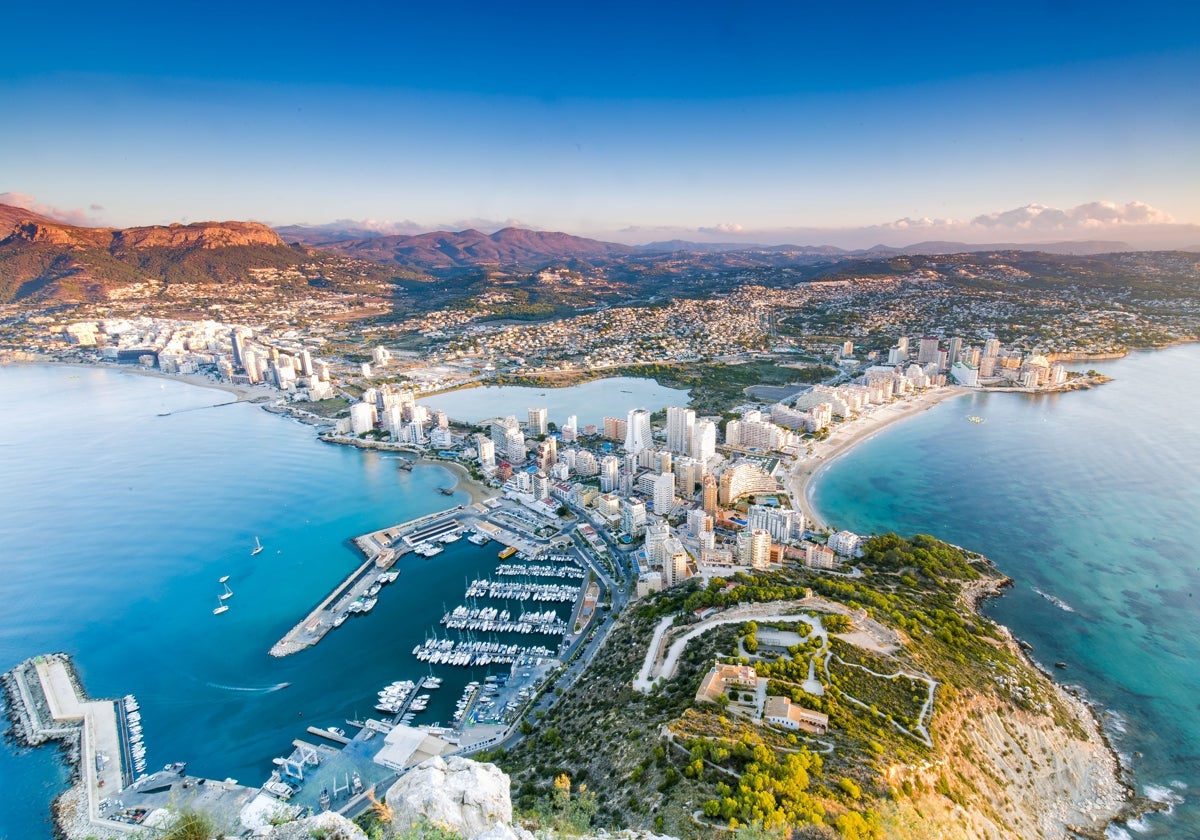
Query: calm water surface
point(1089, 498)
point(116, 524)
point(591, 402)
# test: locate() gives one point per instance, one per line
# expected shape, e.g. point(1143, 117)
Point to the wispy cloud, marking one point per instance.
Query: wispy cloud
point(724, 227)
point(1086, 217)
point(74, 216)
point(1134, 222)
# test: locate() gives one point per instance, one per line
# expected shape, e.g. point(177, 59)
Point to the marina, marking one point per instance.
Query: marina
point(549, 592)
point(427, 537)
point(337, 772)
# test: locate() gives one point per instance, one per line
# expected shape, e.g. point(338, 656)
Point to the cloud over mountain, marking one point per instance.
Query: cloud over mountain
point(74, 216)
point(1089, 217)
point(1135, 222)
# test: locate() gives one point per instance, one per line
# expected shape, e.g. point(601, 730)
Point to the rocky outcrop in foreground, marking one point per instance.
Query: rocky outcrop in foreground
point(454, 794)
point(468, 798)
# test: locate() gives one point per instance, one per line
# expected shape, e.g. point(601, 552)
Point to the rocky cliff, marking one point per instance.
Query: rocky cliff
point(455, 796)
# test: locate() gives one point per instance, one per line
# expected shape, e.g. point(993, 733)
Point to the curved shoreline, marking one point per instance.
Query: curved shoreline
point(803, 475)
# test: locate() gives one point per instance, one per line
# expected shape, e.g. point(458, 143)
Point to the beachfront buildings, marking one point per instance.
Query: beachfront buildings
point(845, 543)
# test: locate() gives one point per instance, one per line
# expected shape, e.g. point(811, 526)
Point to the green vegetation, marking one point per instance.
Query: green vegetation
point(714, 387)
point(191, 825)
point(332, 408)
point(758, 779)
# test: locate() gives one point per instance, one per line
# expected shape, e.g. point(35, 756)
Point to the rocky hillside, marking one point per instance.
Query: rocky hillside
point(45, 261)
point(938, 728)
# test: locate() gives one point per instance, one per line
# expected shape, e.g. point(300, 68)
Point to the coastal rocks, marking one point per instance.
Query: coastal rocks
point(1020, 773)
point(464, 796)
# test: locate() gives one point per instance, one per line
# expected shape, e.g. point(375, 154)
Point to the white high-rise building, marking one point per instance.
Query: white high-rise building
point(680, 425)
point(698, 522)
point(637, 431)
point(487, 452)
point(845, 543)
point(514, 445)
point(610, 469)
point(965, 374)
point(664, 493)
point(633, 517)
point(499, 430)
point(570, 430)
point(704, 440)
point(537, 422)
point(362, 417)
point(783, 524)
point(752, 432)
point(657, 534)
point(585, 463)
point(754, 548)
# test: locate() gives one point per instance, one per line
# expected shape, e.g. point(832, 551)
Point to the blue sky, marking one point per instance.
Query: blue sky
point(783, 122)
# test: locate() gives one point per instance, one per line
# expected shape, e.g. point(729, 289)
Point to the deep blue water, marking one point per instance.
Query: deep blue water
point(1092, 498)
point(115, 525)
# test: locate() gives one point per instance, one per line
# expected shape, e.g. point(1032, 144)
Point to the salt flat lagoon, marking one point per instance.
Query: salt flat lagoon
point(1089, 501)
point(591, 402)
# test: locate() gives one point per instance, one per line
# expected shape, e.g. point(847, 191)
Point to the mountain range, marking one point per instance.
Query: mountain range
point(50, 261)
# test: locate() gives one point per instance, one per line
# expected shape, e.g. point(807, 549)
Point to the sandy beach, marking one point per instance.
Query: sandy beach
point(844, 436)
point(468, 485)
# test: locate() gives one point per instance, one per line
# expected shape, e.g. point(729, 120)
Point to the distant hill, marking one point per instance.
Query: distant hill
point(48, 260)
point(510, 247)
point(1080, 248)
point(321, 235)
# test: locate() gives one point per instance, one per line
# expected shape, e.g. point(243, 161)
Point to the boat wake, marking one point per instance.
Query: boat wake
point(1058, 602)
point(251, 689)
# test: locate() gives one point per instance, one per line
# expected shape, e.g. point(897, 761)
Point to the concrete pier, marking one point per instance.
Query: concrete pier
point(382, 549)
point(47, 703)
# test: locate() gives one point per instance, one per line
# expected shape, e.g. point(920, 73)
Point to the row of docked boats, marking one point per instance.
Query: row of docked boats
point(479, 538)
point(133, 728)
point(398, 697)
point(366, 602)
point(488, 619)
point(511, 591)
point(513, 570)
point(465, 702)
point(428, 550)
point(475, 653)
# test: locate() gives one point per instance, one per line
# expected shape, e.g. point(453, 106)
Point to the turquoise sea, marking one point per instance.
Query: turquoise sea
point(1090, 501)
point(116, 524)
